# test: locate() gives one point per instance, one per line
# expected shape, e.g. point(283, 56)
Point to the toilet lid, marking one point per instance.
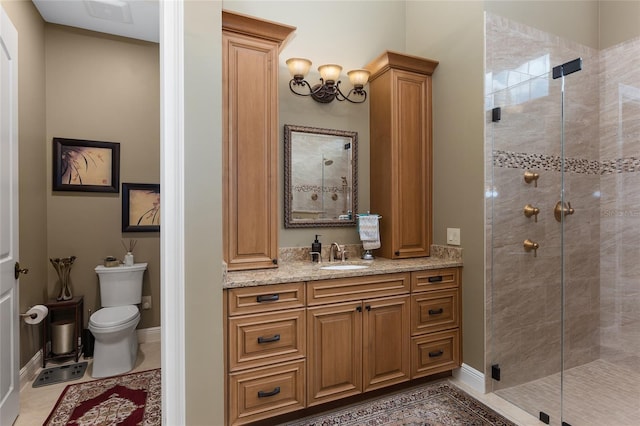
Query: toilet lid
point(110, 317)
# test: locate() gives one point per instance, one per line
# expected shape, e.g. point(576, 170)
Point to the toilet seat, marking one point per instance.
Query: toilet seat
point(114, 316)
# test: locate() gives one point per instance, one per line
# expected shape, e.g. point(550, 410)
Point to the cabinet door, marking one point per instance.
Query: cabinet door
point(334, 352)
point(250, 105)
point(411, 135)
point(386, 353)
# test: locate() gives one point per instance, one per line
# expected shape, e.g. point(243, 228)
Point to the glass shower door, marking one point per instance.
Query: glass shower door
point(526, 311)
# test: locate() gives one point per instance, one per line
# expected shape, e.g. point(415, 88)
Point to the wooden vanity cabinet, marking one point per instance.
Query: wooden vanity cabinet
point(266, 351)
point(250, 65)
point(296, 345)
point(401, 154)
point(436, 318)
point(358, 342)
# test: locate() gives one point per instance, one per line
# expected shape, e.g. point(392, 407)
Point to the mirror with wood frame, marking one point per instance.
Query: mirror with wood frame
point(320, 177)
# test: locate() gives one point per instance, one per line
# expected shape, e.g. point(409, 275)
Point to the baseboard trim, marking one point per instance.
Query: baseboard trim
point(149, 335)
point(29, 371)
point(32, 367)
point(471, 377)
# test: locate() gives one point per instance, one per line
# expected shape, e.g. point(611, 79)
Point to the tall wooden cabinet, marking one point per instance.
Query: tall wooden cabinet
point(400, 124)
point(250, 50)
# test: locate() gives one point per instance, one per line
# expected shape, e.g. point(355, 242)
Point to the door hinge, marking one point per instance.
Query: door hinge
point(544, 417)
point(496, 114)
point(495, 372)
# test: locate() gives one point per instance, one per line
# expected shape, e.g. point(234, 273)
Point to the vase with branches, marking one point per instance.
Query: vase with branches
point(63, 265)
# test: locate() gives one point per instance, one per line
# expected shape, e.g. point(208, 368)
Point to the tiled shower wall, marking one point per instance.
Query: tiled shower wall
point(524, 310)
point(620, 204)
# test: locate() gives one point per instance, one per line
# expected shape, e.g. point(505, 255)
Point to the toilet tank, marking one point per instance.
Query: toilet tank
point(120, 285)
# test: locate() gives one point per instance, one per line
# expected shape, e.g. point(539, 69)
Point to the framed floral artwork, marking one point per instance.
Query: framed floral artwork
point(140, 207)
point(82, 165)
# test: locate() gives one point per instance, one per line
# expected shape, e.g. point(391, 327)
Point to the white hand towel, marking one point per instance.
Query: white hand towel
point(369, 231)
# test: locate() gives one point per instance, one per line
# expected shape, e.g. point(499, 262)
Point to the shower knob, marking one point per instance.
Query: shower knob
point(529, 211)
point(531, 177)
point(531, 245)
point(562, 209)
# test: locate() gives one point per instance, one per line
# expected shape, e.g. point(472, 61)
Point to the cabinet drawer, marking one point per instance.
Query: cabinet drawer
point(435, 353)
point(257, 340)
point(435, 279)
point(357, 288)
point(435, 311)
point(266, 298)
point(266, 392)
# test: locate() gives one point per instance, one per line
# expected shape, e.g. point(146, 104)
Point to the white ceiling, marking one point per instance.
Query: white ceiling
point(137, 19)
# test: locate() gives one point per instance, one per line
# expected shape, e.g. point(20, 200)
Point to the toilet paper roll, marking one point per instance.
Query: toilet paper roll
point(36, 314)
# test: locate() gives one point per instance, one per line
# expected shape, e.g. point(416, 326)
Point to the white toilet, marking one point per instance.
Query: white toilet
point(114, 326)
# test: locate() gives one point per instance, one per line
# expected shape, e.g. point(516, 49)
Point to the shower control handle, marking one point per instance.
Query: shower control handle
point(531, 245)
point(531, 177)
point(562, 209)
point(529, 211)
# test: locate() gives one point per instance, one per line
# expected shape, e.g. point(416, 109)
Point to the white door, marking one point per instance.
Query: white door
point(9, 315)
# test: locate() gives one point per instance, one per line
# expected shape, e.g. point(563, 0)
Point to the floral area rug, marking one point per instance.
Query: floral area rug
point(131, 399)
point(434, 404)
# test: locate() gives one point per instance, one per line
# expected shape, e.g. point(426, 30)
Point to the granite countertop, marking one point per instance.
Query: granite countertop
point(296, 270)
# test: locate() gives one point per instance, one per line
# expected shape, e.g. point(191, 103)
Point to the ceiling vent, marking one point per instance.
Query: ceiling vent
point(110, 10)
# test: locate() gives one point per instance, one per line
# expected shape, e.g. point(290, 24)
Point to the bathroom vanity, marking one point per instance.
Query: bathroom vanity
point(301, 335)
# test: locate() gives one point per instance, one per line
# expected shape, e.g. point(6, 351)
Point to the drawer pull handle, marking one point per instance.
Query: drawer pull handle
point(435, 279)
point(435, 354)
point(273, 338)
point(268, 298)
point(263, 394)
point(436, 311)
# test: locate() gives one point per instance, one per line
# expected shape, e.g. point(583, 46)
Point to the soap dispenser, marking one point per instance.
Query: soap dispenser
point(316, 247)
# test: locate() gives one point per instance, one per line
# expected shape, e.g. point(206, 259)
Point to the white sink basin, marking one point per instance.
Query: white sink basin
point(343, 267)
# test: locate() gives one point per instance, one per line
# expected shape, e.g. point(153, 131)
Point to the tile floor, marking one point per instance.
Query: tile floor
point(37, 403)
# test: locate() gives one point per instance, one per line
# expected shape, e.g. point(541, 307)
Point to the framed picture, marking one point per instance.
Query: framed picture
point(90, 166)
point(140, 207)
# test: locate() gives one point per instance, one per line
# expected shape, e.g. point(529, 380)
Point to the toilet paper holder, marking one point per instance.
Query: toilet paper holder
point(32, 316)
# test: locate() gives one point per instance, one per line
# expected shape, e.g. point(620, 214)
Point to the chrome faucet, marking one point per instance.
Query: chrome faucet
point(340, 250)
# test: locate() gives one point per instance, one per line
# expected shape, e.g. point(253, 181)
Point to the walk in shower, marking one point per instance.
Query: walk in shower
point(562, 168)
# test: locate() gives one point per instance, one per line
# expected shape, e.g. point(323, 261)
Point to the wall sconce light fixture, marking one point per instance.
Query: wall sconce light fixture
point(329, 87)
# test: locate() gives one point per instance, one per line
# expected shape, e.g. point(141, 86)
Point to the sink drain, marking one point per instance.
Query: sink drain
point(63, 373)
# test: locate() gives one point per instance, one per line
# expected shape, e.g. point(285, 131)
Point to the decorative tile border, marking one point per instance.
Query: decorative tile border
point(522, 160)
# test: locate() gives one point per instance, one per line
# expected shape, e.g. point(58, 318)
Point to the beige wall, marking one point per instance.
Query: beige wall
point(101, 88)
point(32, 165)
point(619, 22)
point(360, 35)
point(452, 33)
point(575, 20)
point(203, 215)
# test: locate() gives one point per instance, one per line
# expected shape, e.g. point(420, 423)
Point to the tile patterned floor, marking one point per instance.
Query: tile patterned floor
point(597, 393)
